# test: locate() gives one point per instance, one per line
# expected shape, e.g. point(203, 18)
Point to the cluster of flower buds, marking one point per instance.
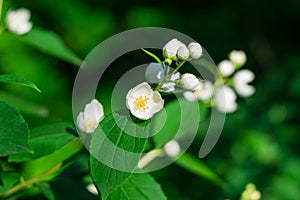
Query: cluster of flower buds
point(176, 50)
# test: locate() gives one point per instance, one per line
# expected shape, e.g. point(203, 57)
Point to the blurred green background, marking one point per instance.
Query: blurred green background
point(260, 142)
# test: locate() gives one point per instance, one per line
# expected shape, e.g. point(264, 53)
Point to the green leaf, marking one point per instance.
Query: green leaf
point(138, 187)
point(181, 119)
point(152, 55)
point(44, 140)
point(24, 105)
point(14, 131)
point(196, 166)
point(46, 190)
point(8, 179)
point(8, 78)
point(49, 166)
point(113, 146)
point(50, 43)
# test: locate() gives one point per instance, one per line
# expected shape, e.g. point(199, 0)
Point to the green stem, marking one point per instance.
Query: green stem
point(28, 183)
point(167, 78)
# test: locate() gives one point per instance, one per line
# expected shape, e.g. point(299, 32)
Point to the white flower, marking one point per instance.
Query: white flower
point(143, 102)
point(18, 21)
point(172, 148)
point(241, 80)
point(203, 91)
point(226, 67)
point(171, 48)
point(195, 50)
point(89, 119)
point(189, 81)
point(225, 99)
point(183, 53)
point(238, 57)
point(92, 189)
point(154, 73)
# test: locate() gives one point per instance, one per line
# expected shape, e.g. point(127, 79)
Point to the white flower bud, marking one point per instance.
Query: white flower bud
point(172, 148)
point(189, 81)
point(226, 68)
point(190, 96)
point(195, 50)
point(171, 48)
point(241, 80)
point(183, 53)
point(225, 99)
point(89, 119)
point(92, 189)
point(238, 57)
point(154, 73)
point(18, 21)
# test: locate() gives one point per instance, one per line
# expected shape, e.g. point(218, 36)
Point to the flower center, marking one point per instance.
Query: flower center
point(141, 103)
point(90, 124)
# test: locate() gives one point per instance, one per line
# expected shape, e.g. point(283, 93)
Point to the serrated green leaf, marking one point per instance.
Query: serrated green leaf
point(45, 140)
point(14, 131)
point(9, 78)
point(50, 43)
point(138, 187)
point(196, 166)
point(112, 145)
point(180, 120)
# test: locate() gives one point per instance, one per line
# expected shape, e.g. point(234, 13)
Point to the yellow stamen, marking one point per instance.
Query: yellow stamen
point(141, 103)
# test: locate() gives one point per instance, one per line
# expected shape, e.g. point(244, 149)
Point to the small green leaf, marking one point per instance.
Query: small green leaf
point(152, 55)
point(113, 146)
point(14, 131)
point(8, 78)
point(50, 43)
point(44, 140)
point(196, 166)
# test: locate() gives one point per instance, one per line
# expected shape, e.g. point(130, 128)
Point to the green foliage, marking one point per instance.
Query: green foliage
point(116, 127)
point(196, 166)
point(8, 78)
point(181, 119)
point(139, 187)
point(44, 140)
point(14, 131)
point(50, 43)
